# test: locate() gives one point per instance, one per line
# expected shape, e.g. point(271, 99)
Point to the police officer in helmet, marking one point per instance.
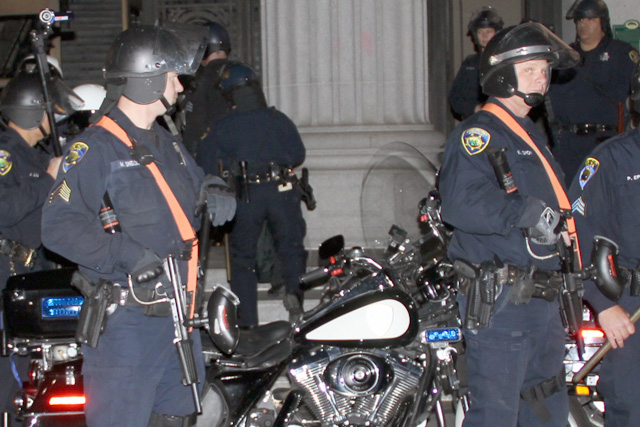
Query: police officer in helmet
point(465, 95)
point(507, 235)
point(133, 375)
point(605, 195)
point(258, 146)
point(203, 100)
point(26, 176)
point(589, 101)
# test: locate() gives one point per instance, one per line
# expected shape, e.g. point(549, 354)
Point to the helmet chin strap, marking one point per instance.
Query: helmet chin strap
point(167, 106)
point(531, 99)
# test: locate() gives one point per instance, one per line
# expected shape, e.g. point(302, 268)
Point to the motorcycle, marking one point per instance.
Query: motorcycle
point(380, 348)
point(40, 317)
point(586, 407)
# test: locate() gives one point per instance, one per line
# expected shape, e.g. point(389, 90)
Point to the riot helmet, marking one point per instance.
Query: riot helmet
point(23, 102)
point(241, 87)
point(29, 64)
point(485, 17)
point(516, 44)
point(140, 58)
point(218, 39)
point(591, 9)
point(93, 95)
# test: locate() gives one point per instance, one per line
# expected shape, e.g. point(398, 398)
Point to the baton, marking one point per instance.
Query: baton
point(598, 355)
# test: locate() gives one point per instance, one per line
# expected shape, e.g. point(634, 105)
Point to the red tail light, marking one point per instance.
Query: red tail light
point(67, 400)
point(592, 333)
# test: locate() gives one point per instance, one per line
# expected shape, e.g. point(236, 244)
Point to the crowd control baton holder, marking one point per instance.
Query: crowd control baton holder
point(182, 339)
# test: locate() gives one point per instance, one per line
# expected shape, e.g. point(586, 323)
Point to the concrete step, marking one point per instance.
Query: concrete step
point(270, 307)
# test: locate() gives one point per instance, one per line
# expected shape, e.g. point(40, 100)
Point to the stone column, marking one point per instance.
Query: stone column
point(352, 74)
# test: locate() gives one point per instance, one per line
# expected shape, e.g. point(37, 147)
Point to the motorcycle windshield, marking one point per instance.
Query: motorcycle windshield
point(398, 177)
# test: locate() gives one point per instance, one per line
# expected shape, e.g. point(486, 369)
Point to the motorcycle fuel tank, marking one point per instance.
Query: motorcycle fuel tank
point(369, 312)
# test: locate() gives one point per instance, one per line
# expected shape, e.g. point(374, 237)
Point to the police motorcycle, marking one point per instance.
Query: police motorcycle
point(378, 350)
point(40, 317)
point(586, 407)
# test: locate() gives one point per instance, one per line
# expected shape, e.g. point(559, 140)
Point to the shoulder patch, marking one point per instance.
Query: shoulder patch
point(76, 153)
point(635, 57)
point(5, 162)
point(590, 168)
point(63, 191)
point(475, 140)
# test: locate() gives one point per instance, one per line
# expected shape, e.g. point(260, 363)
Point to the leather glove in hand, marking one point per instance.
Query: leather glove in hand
point(540, 222)
point(148, 271)
point(220, 200)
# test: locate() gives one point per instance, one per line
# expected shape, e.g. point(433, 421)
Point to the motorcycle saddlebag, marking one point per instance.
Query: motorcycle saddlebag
point(41, 305)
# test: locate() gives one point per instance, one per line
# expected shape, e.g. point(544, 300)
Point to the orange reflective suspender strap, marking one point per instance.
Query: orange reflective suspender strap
point(187, 233)
point(561, 195)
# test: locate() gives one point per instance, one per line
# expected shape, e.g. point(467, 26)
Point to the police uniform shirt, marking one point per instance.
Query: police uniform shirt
point(204, 103)
point(24, 188)
point(99, 162)
point(590, 91)
point(257, 136)
point(483, 215)
point(605, 199)
point(466, 92)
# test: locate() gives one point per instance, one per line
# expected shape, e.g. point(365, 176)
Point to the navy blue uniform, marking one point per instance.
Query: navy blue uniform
point(259, 137)
point(606, 202)
point(466, 93)
point(24, 187)
point(524, 344)
point(589, 94)
point(203, 103)
point(135, 369)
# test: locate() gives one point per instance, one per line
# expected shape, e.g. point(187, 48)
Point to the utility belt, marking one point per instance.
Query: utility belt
point(238, 177)
point(631, 280)
point(101, 300)
point(587, 128)
point(482, 285)
point(18, 252)
point(284, 174)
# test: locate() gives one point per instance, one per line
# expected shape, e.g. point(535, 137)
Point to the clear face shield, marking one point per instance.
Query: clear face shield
point(533, 40)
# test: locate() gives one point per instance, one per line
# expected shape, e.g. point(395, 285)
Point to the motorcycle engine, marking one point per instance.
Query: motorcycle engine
point(351, 387)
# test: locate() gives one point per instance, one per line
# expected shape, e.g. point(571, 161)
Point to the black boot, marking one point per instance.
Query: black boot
point(293, 304)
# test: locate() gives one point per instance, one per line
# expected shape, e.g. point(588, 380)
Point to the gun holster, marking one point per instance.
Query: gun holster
point(481, 289)
point(98, 297)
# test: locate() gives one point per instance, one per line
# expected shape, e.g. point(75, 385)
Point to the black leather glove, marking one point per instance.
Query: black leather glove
point(219, 198)
point(540, 222)
point(148, 270)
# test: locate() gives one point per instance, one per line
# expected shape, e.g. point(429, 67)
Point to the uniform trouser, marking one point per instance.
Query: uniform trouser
point(620, 376)
point(135, 370)
point(570, 150)
point(283, 214)
point(522, 347)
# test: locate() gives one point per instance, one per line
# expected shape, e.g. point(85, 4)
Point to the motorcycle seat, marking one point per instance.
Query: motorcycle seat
point(254, 341)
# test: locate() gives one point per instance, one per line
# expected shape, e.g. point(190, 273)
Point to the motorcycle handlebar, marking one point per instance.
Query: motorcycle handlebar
point(313, 278)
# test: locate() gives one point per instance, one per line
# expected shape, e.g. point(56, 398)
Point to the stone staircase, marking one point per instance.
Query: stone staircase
point(270, 307)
